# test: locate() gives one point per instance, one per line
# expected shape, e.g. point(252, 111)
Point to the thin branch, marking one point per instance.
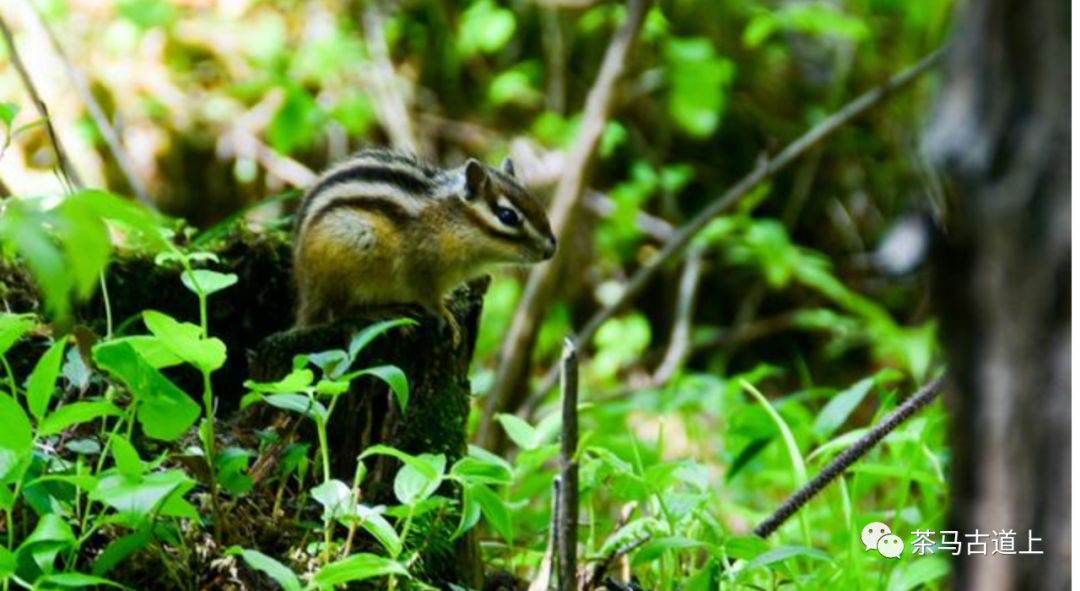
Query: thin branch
point(605, 565)
point(765, 170)
point(679, 347)
point(68, 171)
point(545, 573)
point(849, 456)
point(390, 102)
point(108, 133)
point(650, 225)
point(518, 346)
point(568, 498)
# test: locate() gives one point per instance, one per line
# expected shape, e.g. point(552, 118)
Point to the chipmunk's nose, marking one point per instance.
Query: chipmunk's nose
point(550, 247)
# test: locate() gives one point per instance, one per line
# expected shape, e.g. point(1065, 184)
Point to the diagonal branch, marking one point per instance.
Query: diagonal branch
point(111, 137)
point(512, 373)
point(766, 169)
point(849, 456)
point(69, 172)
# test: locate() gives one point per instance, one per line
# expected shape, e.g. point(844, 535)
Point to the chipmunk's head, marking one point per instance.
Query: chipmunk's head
point(504, 212)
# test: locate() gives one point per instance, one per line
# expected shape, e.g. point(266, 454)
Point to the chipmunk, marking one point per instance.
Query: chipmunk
point(384, 229)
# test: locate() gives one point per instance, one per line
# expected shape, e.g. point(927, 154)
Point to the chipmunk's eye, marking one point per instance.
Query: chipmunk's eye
point(508, 216)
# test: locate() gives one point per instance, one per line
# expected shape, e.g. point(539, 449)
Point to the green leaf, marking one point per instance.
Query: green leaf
point(298, 403)
point(357, 567)
point(76, 413)
point(207, 282)
point(16, 437)
point(74, 580)
point(335, 498)
point(164, 411)
point(12, 328)
point(470, 512)
point(657, 547)
point(185, 340)
point(786, 552)
point(296, 121)
point(520, 432)
point(7, 563)
point(393, 376)
point(485, 27)
point(916, 573)
point(369, 333)
point(471, 469)
point(332, 363)
point(416, 481)
point(136, 499)
point(120, 549)
point(126, 458)
point(280, 573)
point(42, 382)
point(8, 111)
point(232, 464)
point(154, 351)
point(375, 524)
point(297, 381)
point(494, 509)
point(699, 80)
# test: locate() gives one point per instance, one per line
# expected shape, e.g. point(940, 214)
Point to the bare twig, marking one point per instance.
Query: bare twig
point(652, 226)
point(764, 170)
point(605, 565)
point(568, 499)
point(518, 346)
point(391, 103)
point(68, 171)
point(680, 347)
point(849, 456)
point(545, 573)
point(108, 133)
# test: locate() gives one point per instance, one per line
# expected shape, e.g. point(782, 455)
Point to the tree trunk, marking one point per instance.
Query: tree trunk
point(1002, 287)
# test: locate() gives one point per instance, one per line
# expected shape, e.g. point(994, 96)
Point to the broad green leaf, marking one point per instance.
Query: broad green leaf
point(375, 524)
point(12, 328)
point(154, 351)
point(494, 509)
point(136, 500)
point(126, 458)
point(16, 437)
point(335, 498)
point(280, 573)
point(470, 512)
point(207, 282)
point(120, 549)
point(521, 433)
point(333, 363)
point(232, 464)
point(185, 340)
point(369, 333)
point(164, 411)
point(7, 563)
point(357, 567)
point(76, 413)
point(42, 381)
point(393, 376)
point(471, 469)
point(415, 484)
point(297, 381)
point(657, 547)
point(51, 536)
point(298, 403)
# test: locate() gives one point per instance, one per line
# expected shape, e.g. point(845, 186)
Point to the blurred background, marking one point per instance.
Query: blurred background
point(225, 106)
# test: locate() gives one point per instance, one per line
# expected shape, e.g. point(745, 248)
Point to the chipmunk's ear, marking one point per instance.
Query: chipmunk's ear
point(476, 178)
point(508, 167)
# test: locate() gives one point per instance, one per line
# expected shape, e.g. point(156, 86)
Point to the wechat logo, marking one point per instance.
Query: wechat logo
point(878, 536)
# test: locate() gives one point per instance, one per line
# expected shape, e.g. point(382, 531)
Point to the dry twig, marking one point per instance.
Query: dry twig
point(513, 367)
point(68, 171)
point(680, 347)
point(568, 497)
point(390, 102)
point(108, 133)
point(849, 456)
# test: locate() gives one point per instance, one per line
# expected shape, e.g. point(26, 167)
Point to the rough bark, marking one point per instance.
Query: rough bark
point(1002, 286)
